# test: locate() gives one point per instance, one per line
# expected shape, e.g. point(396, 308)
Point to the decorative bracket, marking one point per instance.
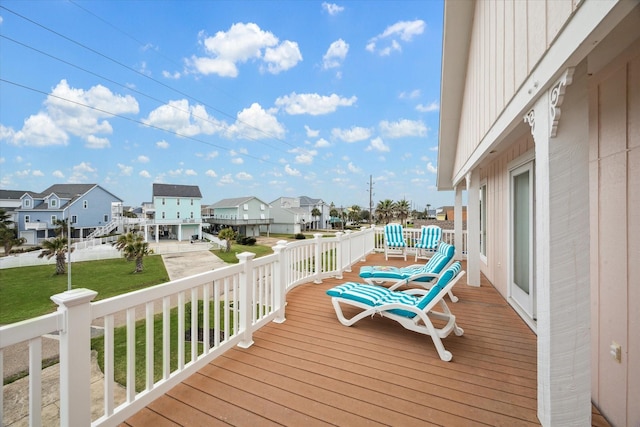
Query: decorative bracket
point(530, 118)
point(556, 96)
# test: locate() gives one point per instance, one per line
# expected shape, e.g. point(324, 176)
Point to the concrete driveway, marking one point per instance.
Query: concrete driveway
point(186, 264)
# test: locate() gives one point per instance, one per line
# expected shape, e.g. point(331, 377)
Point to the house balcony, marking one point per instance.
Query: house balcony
point(283, 357)
point(38, 225)
point(238, 221)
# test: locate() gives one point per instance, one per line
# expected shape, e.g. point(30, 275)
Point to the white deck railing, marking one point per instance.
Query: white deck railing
point(233, 301)
point(412, 236)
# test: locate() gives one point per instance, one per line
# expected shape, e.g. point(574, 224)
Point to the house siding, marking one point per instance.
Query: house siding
point(501, 57)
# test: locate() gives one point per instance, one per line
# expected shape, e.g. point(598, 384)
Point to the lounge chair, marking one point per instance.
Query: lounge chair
point(430, 237)
point(412, 308)
point(394, 243)
point(422, 274)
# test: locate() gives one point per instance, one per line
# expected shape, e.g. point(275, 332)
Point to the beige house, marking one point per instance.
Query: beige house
point(540, 125)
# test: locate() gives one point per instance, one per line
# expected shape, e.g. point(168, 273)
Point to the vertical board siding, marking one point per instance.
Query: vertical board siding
point(508, 39)
point(615, 175)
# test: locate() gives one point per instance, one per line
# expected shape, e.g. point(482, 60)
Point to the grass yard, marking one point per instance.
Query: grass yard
point(25, 291)
point(230, 257)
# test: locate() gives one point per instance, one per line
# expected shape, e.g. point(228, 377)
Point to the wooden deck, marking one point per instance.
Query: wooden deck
point(311, 370)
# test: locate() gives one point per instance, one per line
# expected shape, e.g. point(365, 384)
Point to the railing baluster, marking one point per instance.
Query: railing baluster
point(166, 337)
point(205, 318)
point(149, 346)
point(131, 354)
point(194, 324)
point(109, 387)
point(180, 331)
point(35, 382)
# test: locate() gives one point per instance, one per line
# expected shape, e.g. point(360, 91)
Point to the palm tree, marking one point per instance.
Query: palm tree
point(5, 219)
point(354, 213)
point(401, 210)
point(384, 209)
point(315, 212)
point(228, 235)
point(56, 247)
point(61, 227)
point(133, 247)
point(9, 239)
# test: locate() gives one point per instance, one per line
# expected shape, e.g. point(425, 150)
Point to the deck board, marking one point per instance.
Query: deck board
point(311, 370)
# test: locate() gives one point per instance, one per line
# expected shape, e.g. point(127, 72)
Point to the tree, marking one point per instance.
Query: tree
point(8, 234)
point(354, 213)
point(5, 219)
point(228, 235)
point(133, 248)
point(315, 212)
point(333, 213)
point(56, 247)
point(384, 209)
point(61, 227)
point(401, 209)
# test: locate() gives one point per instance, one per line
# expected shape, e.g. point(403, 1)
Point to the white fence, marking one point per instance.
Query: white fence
point(412, 236)
point(231, 302)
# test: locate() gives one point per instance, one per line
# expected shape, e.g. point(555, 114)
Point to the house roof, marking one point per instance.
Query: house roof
point(456, 38)
point(233, 202)
point(67, 191)
point(174, 190)
point(308, 201)
point(12, 194)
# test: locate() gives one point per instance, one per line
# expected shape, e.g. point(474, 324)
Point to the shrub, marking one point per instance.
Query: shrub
point(246, 241)
point(299, 236)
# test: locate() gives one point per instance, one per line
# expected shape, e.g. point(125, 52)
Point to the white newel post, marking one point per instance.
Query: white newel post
point(318, 256)
point(279, 281)
point(245, 297)
point(473, 227)
point(457, 223)
point(339, 256)
point(347, 267)
point(75, 356)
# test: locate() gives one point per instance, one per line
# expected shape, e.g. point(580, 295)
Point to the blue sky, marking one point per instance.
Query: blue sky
point(242, 98)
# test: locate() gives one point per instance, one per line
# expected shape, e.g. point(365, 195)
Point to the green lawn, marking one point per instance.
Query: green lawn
point(25, 291)
point(230, 257)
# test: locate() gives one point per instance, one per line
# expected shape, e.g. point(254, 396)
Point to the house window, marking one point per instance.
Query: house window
point(27, 219)
point(178, 214)
point(262, 206)
point(162, 215)
point(192, 214)
point(483, 220)
point(191, 202)
point(246, 206)
point(74, 219)
point(178, 202)
point(106, 218)
point(85, 204)
point(163, 202)
point(27, 203)
point(53, 219)
point(53, 203)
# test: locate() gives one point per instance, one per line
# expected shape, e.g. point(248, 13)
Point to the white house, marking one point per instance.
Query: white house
point(176, 210)
point(540, 125)
point(247, 215)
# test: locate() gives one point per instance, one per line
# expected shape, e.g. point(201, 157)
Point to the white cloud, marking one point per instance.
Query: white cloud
point(404, 31)
point(176, 172)
point(174, 76)
point(82, 172)
point(144, 174)
point(162, 144)
point(241, 43)
point(410, 95)
point(403, 128)
point(378, 144)
point(434, 106)
point(332, 8)
point(304, 156)
point(37, 172)
point(187, 120)
point(256, 123)
point(191, 172)
point(143, 159)
point(312, 103)
point(211, 173)
point(227, 179)
point(243, 176)
point(125, 170)
point(431, 168)
point(322, 143)
point(39, 130)
point(335, 54)
point(237, 161)
point(353, 168)
point(354, 134)
point(310, 132)
point(291, 171)
point(57, 174)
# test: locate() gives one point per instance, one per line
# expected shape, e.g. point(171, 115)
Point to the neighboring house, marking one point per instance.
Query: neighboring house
point(309, 204)
point(540, 124)
point(246, 215)
point(447, 213)
point(90, 207)
point(288, 216)
point(10, 201)
point(176, 210)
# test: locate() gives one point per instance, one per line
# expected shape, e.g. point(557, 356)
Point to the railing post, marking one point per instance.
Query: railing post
point(246, 299)
point(339, 256)
point(279, 281)
point(349, 250)
point(75, 356)
point(318, 256)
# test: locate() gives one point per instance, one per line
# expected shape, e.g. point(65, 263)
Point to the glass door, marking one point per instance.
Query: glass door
point(521, 258)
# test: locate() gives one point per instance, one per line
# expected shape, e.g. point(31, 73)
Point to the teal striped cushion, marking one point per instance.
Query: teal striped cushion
point(444, 280)
point(374, 296)
point(430, 236)
point(394, 235)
